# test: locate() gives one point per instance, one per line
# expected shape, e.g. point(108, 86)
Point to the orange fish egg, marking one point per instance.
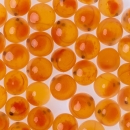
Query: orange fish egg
point(109, 31)
point(87, 18)
point(38, 93)
point(107, 85)
point(40, 44)
point(17, 7)
point(17, 108)
point(88, 1)
point(63, 86)
point(15, 82)
point(64, 32)
point(124, 98)
point(15, 56)
point(19, 126)
point(39, 69)
point(124, 73)
point(41, 17)
point(65, 8)
point(3, 15)
point(108, 60)
point(108, 112)
point(124, 48)
point(82, 105)
point(44, 1)
point(65, 121)
point(4, 121)
point(40, 118)
point(2, 69)
point(91, 125)
point(110, 8)
point(84, 72)
point(2, 42)
point(16, 29)
point(63, 59)
point(87, 46)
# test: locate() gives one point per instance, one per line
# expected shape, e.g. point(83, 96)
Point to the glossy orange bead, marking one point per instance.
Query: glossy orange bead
point(17, 108)
point(39, 69)
point(125, 20)
point(108, 112)
point(64, 32)
point(108, 60)
point(87, 18)
point(40, 44)
point(3, 15)
point(38, 93)
point(88, 1)
point(124, 98)
point(15, 56)
point(4, 121)
point(63, 86)
point(91, 125)
point(110, 8)
point(65, 8)
point(65, 121)
point(125, 122)
point(19, 126)
point(2, 69)
point(16, 29)
point(2, 42)
point(17, 7)
point(124, 48)
point(109, 31)
point(15, 82)
point(107, 85)
point(3, 96)
point(63, 59)
point(41, 17)
point(82, 105)
point(124, 73)
point(87, 46)
point(40, 118)
point(84, 72)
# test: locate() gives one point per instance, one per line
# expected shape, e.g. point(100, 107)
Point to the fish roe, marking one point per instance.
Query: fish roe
point(84, 72)
point(40, 118)
point(17, 108)
point(4, 121)
point(65, 8)
point(41, 17)
point(39, 69)
point(44, 1)
point(17, 7)
point(87, 46)
point(88, 1)
point(91, 125)
point(124, 73)
point(40, 44)
point(2, 42)
point(82, 105)
point(15, 82)
point(16, 29)
point(64, 32)
point(63, 59)
point(19, 126)
point(108, 60)
point(87, 18)
point(38, 93)
point(3, 96)
point(15, 56)
point(107, 85)
point(110, 8)
point(63, 86)
point(124, 48)
point(108, 112)
point(65, 121)
point(2, 69)
point(109, 31)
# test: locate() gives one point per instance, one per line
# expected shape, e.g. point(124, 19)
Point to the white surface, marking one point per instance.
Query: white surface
point(57, 106)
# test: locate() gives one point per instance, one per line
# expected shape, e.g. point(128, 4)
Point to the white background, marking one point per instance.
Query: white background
point(56, 106)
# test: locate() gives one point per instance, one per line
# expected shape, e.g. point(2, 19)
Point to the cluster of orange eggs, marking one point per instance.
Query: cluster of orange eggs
point(64, 34)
